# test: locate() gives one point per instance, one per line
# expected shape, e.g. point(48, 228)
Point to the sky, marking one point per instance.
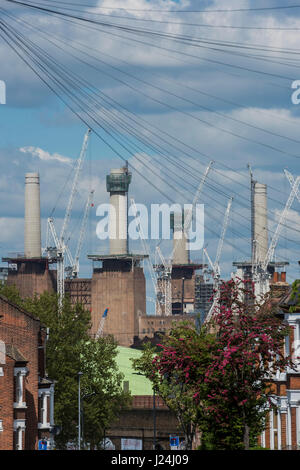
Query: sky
point(208, 104)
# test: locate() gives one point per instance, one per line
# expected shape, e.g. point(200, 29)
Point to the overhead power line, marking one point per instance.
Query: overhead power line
point(160, 10)
point(37, 6)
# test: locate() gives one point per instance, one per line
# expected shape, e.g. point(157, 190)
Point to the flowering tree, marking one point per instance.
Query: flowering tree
point(175, 368)
point(249, 352)
point(220, 379)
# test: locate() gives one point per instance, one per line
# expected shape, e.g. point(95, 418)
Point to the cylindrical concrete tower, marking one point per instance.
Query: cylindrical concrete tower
point(180, 252)
point(260, 213)
point(117, 184)
point(32, 236)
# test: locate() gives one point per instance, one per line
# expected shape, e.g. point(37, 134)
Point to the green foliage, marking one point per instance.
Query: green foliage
point(183, 342)
point(218, 379)
point(69, 350)
point(295, 295)
point(11, 293)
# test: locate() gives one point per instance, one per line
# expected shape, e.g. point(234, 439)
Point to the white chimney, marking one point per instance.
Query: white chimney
point(180, 252)
point(117, 184)
point(32, 236)
point(260, 221)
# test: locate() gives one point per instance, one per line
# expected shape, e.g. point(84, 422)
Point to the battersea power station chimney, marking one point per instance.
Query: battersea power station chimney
point(181, 254)
point(260, 221)
point(117, 183)
point(32, 236)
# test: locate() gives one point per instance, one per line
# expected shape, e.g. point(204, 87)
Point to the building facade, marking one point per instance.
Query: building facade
point(26, 395)
point(283, 424)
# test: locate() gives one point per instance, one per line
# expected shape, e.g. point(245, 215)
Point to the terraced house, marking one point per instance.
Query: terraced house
point(26, 394)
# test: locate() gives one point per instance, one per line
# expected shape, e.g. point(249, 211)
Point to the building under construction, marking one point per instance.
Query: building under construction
point(117, 283)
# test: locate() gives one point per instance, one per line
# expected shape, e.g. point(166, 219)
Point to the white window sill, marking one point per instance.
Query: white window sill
point(20, 405)
point(44, 426)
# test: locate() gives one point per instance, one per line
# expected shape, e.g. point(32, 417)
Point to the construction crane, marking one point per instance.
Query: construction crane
point(215, 267)
point(147, 252)
point(164, 285)
point(188, 218)
point(99, 333)
point(58, 252)
point(261, 275)
point(165, 268)
point(73, 270)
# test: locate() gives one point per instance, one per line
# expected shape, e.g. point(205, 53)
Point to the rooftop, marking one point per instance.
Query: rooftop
point(138, 384)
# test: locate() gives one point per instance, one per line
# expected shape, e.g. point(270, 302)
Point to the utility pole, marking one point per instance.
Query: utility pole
point(253, 244)
point(79, 412)
point(154, 420)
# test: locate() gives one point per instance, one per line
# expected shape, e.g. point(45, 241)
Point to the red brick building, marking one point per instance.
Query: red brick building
point(283, 425)
point(26, 395)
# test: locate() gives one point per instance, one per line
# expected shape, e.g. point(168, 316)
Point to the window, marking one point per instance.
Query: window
point(19, 388)
point(287, 346)
point(20, 373)
point(1, 425)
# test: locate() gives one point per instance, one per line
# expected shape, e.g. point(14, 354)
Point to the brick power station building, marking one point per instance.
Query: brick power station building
point(118, 282)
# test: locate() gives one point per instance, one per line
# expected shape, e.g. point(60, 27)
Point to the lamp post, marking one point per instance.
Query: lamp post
point(154, 419)
point(79, 411)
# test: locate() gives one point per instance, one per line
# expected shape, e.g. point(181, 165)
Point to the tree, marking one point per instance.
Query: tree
point(69, 350)
point(249, 352)
point(102, 392)
point(175, 368)
point(220, 379)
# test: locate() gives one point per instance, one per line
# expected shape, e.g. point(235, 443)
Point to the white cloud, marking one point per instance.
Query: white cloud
point(44, 155)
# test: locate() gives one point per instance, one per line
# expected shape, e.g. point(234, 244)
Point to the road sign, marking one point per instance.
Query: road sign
point(174, 442)
point(43, 444)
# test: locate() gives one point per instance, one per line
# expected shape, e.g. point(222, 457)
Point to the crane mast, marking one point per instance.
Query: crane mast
point(215, 267)
point(61, 249)
point(74, 185)
point(99, 333)
point(147, 252)
point(260, 272)
point(165, 275)
point(73, 269)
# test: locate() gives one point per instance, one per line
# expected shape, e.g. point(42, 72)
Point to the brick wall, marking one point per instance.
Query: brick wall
point(6, 404)
point(32, 278)
point(23, 331)
point(123, 292)
point(138, 423)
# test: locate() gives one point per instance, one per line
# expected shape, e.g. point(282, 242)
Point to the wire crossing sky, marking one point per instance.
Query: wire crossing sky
point(166, 93)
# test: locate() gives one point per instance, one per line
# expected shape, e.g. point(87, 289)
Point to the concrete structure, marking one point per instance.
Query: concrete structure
point(119, 282)
point(260, 222)
point(150, 325)
point(29, 271)
point(117, 184)
point(259, 234)
point(119, 285)
point(204, 293)
point(79, 290)
point(26, 395)
point(181, 253)
point(32, 222)
point(30, 276)
point(183, 288)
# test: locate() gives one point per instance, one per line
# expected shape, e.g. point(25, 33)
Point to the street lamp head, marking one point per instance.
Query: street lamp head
point(80, 373)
